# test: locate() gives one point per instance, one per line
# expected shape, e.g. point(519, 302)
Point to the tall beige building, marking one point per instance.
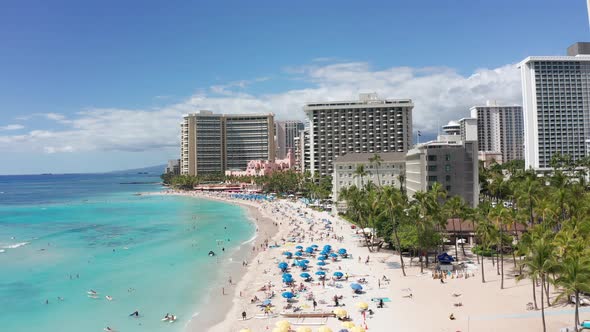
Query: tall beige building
point(213, 143)
point(367, 125)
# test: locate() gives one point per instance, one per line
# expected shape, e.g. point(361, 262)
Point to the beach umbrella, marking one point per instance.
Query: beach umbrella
point(245, 330)
point(284, 324)
point(283, 265)
point(280, 329)
point(324, 329)
point(288, 253)
point(327, 246)
point(342, 251)
point(309, 250)
point(356, 287)
point(288, 295)
point(322, 258)
point(334, 255)
point(320, 273)
point(304, 329)
point(266, 302)
point(340, 313)
point(357, 329)
point(305, 261)
point(305, 275)
point(362, 305)
point(287, 275)
point(348, 325)
point(315, 246)
point(299, 247)
point(321, 263)
point(338, 274)
point(299, 254)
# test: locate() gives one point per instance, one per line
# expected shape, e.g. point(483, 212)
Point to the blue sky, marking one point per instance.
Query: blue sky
point(98, 86)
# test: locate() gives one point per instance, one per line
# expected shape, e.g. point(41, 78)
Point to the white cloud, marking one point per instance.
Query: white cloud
point(11, 127)
point(440, 94)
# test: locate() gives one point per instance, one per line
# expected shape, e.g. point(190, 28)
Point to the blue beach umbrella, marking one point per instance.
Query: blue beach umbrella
point(306, 261)
point(288, 295)
point(342, 251)
point(288, 280)
point(266, 302)
point(299, 254)
point(309, 250)
point(322, 258)
point(305, 275)
point(334, 255)
point(338, 274)
point(320, 273)
point(315, 246)
point(299, 247)
point(287, 275)
point(283, 265)
point(321, 263)
point(356, 287)
point(288, 253)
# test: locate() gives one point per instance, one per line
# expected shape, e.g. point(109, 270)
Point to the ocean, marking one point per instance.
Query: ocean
point(64, 235)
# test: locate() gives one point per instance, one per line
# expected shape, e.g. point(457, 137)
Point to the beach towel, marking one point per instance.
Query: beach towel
point(385, 299)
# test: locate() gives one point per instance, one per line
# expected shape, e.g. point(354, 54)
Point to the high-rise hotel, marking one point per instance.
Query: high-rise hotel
point(369, 125)
point(287, 133)
point(213, 143)
point(556, 101)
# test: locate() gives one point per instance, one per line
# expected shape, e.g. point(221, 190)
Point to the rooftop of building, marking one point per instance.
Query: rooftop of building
point(579, 51)
point(364, 157)
point(364, 100)
point(228, 115)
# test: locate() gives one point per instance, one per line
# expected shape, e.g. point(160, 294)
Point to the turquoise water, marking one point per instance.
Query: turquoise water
point(148, 252)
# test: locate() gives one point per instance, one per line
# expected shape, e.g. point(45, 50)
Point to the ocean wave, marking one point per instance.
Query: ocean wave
point(2, 250)
point(16, 245)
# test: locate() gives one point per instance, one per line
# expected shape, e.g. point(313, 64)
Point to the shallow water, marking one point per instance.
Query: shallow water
point(64, 235)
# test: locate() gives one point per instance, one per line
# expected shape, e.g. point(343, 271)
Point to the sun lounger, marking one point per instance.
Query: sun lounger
point(307, 314)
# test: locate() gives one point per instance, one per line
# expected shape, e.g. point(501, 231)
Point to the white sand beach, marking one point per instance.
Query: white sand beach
point(417, 302)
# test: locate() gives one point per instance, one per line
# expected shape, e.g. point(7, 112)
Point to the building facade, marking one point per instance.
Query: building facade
point(386, 174)
point(265, 167)
point(453, 165)
point(286, 134)
point(173, 167)
point(368, 125)
point(213, 143)
point(556, 100)
point(500, 129)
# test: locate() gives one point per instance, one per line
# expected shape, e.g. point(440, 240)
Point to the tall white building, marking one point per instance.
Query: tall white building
point(556, 100)
point(500, 130)
point(368, 125)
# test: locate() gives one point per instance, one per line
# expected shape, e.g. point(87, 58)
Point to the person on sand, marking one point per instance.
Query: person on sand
point(452, 317)
point(243, 315)
point(315, 304)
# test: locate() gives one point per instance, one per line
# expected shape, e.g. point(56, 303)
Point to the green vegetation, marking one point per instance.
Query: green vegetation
point(541, 221)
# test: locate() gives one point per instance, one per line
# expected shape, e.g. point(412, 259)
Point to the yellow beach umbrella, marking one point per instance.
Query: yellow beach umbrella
point(284, 324)
point(362, 305)
point(324, 329)
point(304, 329)
point(280, 329)
point(348, 325)
point(245, 330)
point(357, 329)
point(340, 312)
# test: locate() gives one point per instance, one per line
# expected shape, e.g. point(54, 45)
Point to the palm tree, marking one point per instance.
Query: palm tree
point(361, 173)
point(455, 208)
point(539, 263)
point(526, 192)
point(574, 277)
point(499, 217)
point(395, 206)
point(376, 160)
point(486, 233)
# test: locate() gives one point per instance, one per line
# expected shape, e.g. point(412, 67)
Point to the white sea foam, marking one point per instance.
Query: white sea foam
point(16, 245)
point(2, 250)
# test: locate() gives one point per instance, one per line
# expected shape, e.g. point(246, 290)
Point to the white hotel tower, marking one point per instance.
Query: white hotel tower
point(556, 102)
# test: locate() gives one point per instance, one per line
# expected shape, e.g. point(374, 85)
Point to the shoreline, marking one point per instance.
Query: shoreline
point(216, 311)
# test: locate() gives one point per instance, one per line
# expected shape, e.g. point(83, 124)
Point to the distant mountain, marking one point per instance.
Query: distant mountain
point(156, 170)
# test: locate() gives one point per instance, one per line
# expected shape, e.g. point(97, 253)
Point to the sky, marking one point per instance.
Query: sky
point(91, 86)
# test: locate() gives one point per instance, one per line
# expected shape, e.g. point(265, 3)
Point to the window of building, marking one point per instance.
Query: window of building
point(447, 168)
point(447, 157)
point(448, 188)
point(432, 178)
point(432, 168)
point(448, 178)
point(431, 157)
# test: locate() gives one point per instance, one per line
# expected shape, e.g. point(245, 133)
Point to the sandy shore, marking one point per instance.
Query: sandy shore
point(484, 307)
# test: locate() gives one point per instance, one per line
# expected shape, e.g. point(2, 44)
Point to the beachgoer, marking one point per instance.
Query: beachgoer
point(243, 315)
point(452, 317)
point(380, 305)
point(315, 304)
